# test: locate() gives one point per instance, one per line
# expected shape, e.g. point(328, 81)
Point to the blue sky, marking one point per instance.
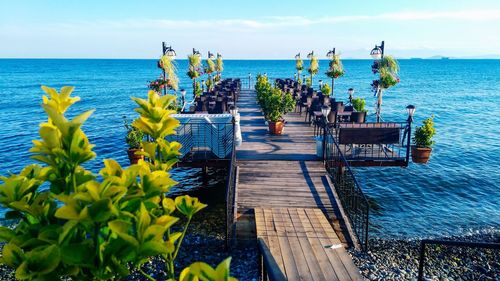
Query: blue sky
point(247, 29)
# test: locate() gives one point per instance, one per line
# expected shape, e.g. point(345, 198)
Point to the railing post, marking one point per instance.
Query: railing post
point(421, 261)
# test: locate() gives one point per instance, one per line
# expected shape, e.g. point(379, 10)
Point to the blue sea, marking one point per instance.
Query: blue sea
point(457, 193)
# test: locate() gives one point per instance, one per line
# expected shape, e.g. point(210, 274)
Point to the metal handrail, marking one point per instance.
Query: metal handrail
point(452, 243)
point(352, 198)
point(269, 267)
point(231, 207)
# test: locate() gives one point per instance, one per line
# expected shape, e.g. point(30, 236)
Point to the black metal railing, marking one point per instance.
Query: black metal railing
point(380, 142)
point(269, 269)
point(231, 207)
point(425, 242)
point(204, 140)
point(354, 202)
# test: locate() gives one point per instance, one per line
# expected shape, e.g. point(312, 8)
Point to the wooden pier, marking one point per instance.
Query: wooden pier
point(284, 186)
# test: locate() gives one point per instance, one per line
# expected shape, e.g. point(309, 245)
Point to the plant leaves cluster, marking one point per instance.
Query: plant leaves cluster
point(96, 228)
point(424, 134)
point(274, 102)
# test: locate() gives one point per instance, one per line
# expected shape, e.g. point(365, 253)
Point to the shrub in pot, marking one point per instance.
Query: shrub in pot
point(275, 105)
point(422, 140)
point(358, 116)
point(134, 139)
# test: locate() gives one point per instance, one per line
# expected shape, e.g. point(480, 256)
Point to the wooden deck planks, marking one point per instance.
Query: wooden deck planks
point(299, 239)
point(286, 186)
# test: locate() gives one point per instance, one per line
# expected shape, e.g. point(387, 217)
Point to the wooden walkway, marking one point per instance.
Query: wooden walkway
point(284, 172)
point(304, 245)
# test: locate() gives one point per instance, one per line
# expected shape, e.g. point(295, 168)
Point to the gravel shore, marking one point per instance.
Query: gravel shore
point(398, 260)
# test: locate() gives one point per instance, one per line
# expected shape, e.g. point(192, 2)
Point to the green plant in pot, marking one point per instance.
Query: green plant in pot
point(335, 70)
point(276, 105)
point(359, 115)
point(313, 67)
point(134, 140)
point(326, 90)
point(423, 142)
point(299, 66)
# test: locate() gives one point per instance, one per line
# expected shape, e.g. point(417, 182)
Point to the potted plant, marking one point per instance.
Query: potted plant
point(277, 104)
point(326, 90)
point(335, 70)
point(299, 66)
point(422, 140)
point(194, 70)
point(313, 66)
point(359, 115)
point(134, 140)
point(388, 69)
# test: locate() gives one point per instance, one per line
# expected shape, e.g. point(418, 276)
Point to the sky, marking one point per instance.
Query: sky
point(252, 29)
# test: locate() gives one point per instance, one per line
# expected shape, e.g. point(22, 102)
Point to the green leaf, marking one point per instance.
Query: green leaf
point(12, 255)
point(81, 254)
point(67, 212)
point(101, 210)
point(44, 260)
point(6, 234)
point(188, 205)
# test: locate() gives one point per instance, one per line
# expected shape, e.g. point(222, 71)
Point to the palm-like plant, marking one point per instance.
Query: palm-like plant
point(209, 69)
point(313, 67)
point(388, 69)
point(299, 66)
point(336, 69)
point(194, 68)
point(219, 66)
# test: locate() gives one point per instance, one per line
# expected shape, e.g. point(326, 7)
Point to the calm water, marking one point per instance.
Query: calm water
point(456, 193)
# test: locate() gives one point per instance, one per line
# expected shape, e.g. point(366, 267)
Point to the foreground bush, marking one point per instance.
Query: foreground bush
point(92, 228)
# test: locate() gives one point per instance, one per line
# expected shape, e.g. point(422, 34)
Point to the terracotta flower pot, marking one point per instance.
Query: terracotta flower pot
point(276, 128)
point(134, 159)
point(420, 154)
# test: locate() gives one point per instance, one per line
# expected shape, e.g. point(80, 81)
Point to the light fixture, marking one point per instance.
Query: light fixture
point(325, 110)
point(350, 92)
point(265, 74)
point(183, 93)
point(310, 55)
point(411, 110)
point(219, 55)
point(210, 55)
point(195, 52)
point(320, 83)
point(233, 110)
point(378, 52)
point(297, 56)
point(330, 53)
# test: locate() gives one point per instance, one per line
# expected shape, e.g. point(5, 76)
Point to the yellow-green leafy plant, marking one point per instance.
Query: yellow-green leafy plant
point(168, 65)
point(299, 66)
point(219, 67)
point(313, 67)
point(209, 69)
point(335, 70)
point(194, 68)
point(387, 68)
point(84, 227)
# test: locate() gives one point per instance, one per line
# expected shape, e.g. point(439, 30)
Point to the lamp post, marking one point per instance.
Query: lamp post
point(411, 110)
point(351, 93)
point(325, 110)
point(320, 82)
point(249, 80)
point(330, 54)
point(202, 86)
point(168, 51)
point(377, 53)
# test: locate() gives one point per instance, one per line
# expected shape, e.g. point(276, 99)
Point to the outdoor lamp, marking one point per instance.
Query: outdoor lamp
point(411, 110)
point(350, 92)
point(233, 110)
point(265, 74)
point(310, 55)
point(376, 53)
point(320, 83)
point(210, 55)
point(169, 52)
point(297, 56)
point(330, 53)
point(325, 110)
point(183, 93)
point(195, 52)
point(219, 55)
